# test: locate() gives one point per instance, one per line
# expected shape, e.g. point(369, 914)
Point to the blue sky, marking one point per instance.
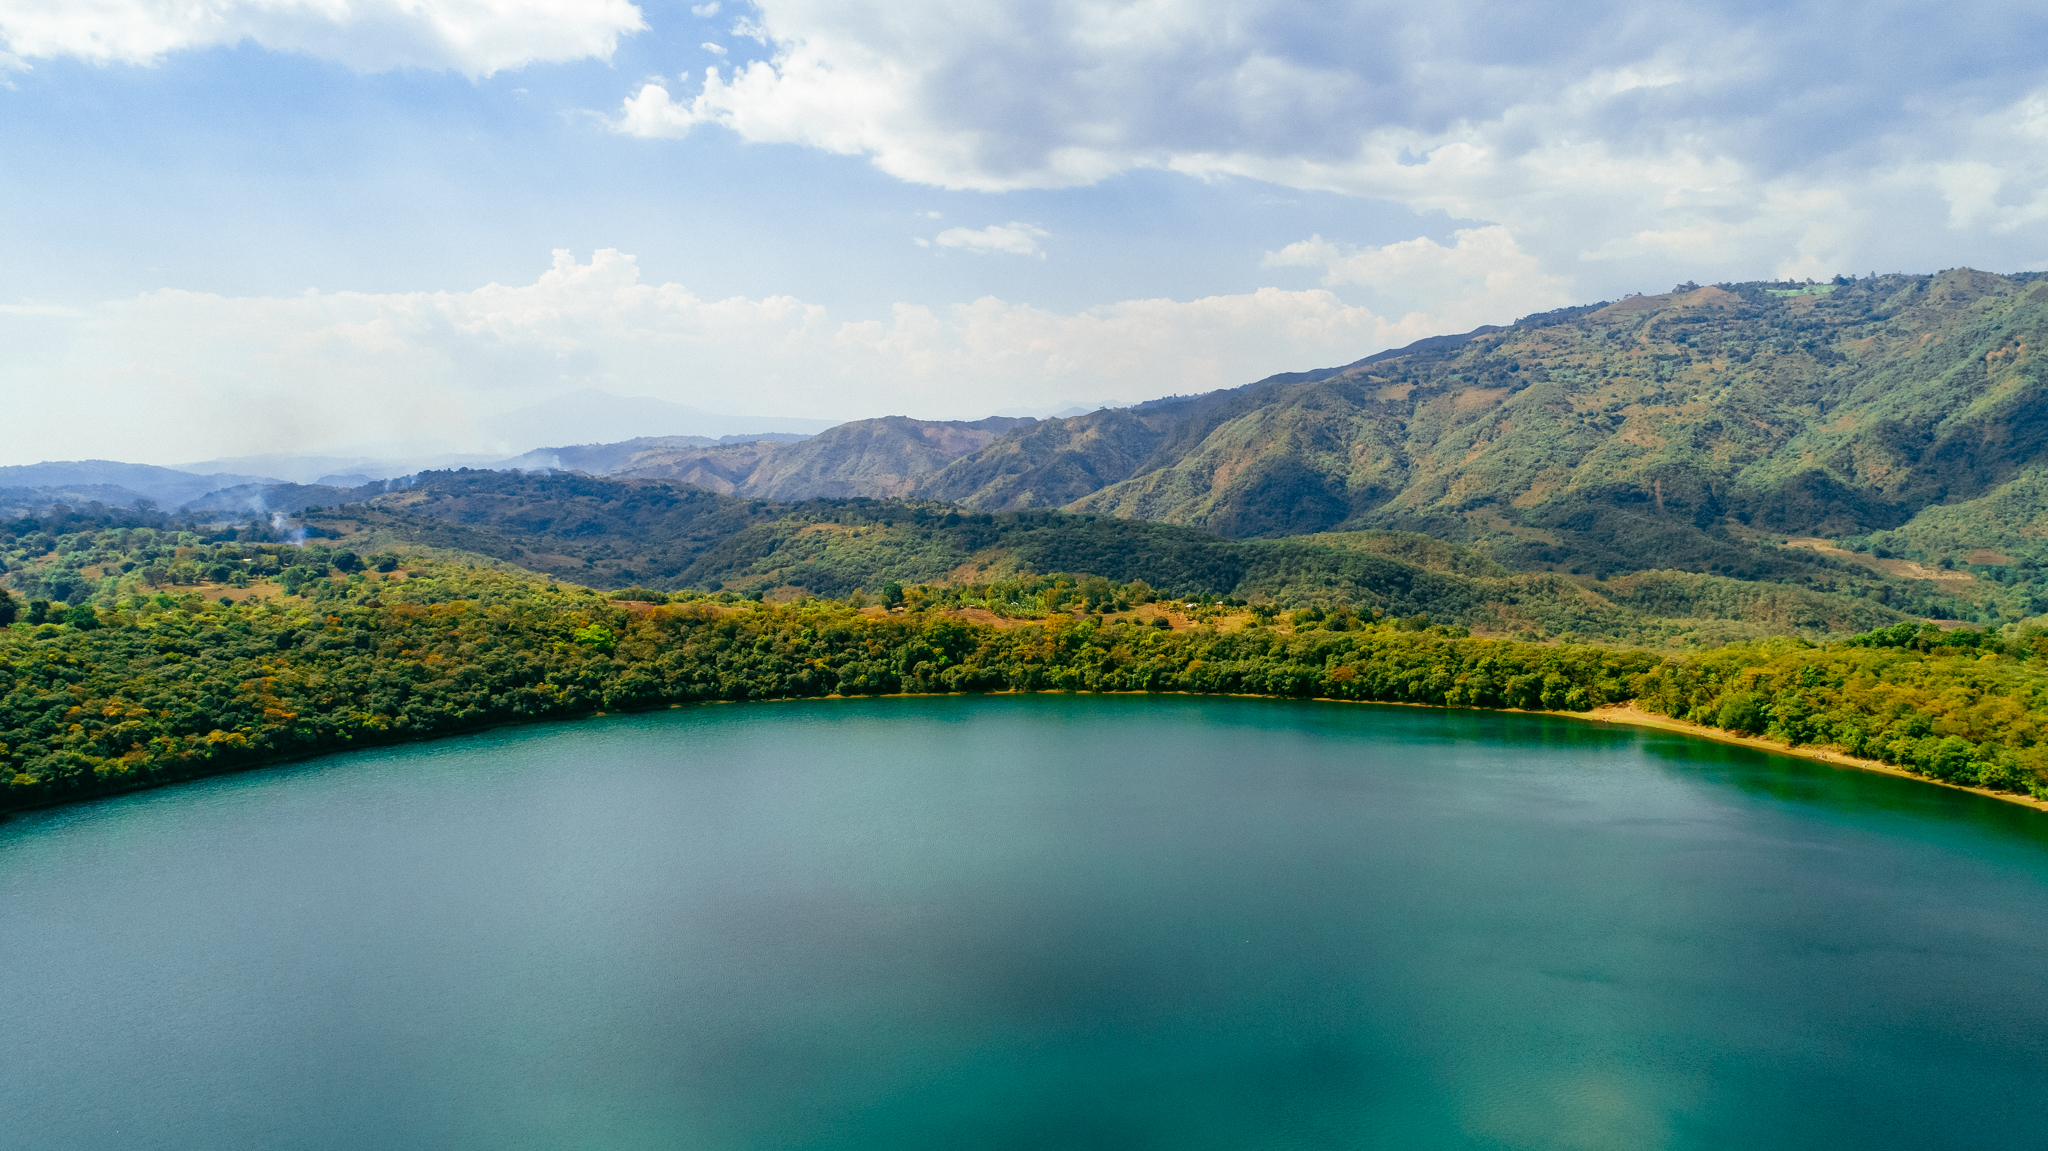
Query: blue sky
point(238, 226)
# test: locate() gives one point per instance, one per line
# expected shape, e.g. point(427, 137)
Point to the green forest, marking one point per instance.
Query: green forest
point(171, 684)
point(594, 532)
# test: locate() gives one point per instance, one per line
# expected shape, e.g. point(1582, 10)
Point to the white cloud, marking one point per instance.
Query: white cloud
point(1614, 141)
point(173, 375)
point(1483, 264)
point(1016, 238)
point(704, 11)
point(650, 113)
point(714, 49)
point(475, 37)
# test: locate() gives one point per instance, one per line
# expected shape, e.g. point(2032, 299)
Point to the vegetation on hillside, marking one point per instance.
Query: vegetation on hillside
point(835, 548)
point(164, 686)
point(1963, 706)
point(1675, 431)
point(2001, 536)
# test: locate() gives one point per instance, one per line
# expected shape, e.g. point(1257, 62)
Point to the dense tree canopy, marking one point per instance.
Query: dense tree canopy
point(166, 686)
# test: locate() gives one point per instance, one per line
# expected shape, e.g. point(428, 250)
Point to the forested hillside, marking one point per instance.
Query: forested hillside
point(1658, 431)
point(613, 534)
point(159, 687)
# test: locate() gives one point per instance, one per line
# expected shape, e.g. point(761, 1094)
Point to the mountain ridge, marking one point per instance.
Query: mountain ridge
point(1697, 418)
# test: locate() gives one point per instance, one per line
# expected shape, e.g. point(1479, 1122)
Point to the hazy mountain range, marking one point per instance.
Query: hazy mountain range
point(882, 457)
point(1671, 430)
point(593, 416)
point(110, 482)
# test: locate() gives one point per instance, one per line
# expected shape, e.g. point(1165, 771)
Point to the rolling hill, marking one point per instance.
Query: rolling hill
point(608, 532)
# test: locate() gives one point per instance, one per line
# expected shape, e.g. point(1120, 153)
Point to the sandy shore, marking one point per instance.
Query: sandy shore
point(1629, 713)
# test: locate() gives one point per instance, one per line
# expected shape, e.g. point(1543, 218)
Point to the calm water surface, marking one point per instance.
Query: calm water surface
point(1037, 922)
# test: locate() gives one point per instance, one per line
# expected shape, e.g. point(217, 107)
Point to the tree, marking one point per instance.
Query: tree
point(1743, 711)
point(8, 607)
point(1097, 592)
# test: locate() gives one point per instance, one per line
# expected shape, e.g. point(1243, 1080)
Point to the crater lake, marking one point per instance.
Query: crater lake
point(1039, 921)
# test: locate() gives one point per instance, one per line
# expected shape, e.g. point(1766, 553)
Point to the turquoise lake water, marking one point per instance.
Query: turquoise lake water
point(1041, 922)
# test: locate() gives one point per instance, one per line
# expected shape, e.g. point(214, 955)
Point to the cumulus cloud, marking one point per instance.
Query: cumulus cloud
point(1482, 265)
point(1607, 136)
point(1016, 238)
point(474, 37)
point(178, 375)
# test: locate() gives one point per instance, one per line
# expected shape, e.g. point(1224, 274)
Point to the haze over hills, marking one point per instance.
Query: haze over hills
point(108, 479)
point(590, 415)
point(316, 469)
point(608, 459)
point(880, 457)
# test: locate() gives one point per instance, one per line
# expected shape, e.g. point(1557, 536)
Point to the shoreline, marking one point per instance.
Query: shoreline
point(1622, 713)
point(1613, 713)
point(1628, 713)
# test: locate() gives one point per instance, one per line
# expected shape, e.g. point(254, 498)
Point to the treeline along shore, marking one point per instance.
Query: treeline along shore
point(164, 687)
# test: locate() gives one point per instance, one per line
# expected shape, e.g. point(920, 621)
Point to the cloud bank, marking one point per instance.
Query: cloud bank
point(175, 375)
point(1722, 137)
point(474, 37)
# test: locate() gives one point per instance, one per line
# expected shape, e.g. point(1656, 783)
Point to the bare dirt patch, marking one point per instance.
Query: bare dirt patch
point(1630, 304)
point(1472, 399)
point(1896, 568)
point(1637, 433)
point(1536, 493)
